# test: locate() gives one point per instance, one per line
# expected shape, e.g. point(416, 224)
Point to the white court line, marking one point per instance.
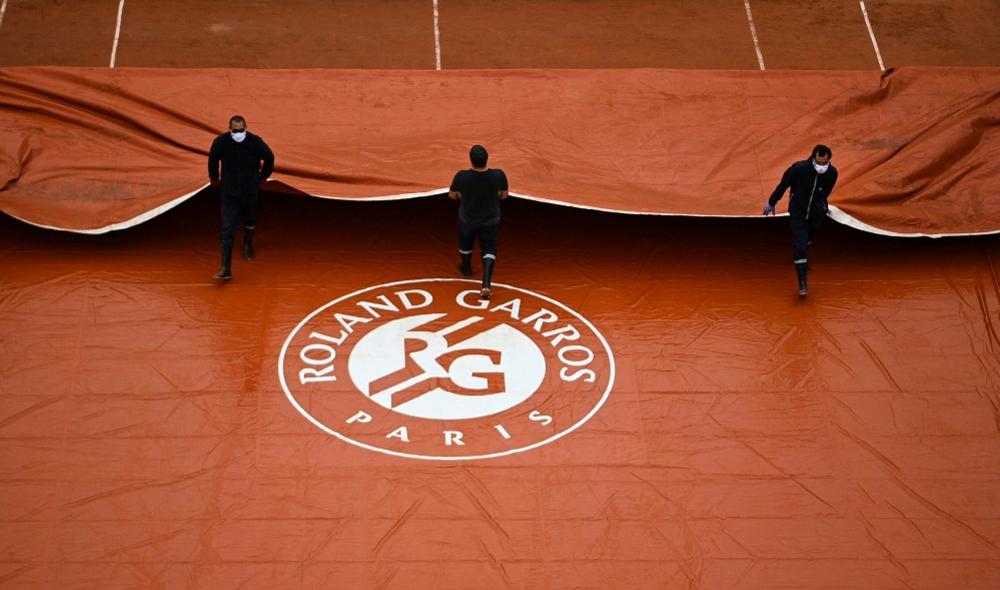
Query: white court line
point(118, 32)
point(437, 37)
point(3, 9)
point(871, 33)
point(753, 31)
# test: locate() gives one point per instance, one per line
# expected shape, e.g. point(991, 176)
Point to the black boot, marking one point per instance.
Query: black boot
point(225, 273)
point(488, 262)
point(248, 243)
point(466, 267)
point(802, 270)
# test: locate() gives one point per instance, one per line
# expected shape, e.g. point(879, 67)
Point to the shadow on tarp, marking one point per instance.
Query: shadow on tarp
point(917, 147)
point(290, 220)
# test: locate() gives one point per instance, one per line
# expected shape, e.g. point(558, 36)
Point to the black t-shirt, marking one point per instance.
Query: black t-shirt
point(480, 195)
point(241, 162)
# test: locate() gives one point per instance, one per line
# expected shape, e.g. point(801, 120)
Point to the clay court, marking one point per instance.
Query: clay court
point(646, 402)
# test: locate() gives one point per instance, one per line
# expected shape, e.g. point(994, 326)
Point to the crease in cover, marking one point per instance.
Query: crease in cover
point(94, 150)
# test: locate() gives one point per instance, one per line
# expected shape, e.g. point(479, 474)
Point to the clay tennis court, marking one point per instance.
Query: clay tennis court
point(685, 420)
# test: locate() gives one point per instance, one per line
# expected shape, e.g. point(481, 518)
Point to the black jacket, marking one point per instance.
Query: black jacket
point(810, 189)
point(241, 168)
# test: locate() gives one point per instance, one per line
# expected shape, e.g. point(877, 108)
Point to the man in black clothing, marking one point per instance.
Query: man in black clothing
point(811, 182)
point(479, 192)
point(241, 154)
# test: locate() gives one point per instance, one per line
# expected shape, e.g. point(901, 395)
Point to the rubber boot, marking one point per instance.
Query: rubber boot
point(487, 277)
point(466, 267)
point(802, 270)
point(247, 243)
point(225, 273)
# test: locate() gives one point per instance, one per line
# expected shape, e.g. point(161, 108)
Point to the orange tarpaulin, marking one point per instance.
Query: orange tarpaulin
point(645, 403)
point(918, 149)
point(749, 440)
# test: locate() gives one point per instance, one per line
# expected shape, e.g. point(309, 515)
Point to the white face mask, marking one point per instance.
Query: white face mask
point(821, 168)
point(238, 137)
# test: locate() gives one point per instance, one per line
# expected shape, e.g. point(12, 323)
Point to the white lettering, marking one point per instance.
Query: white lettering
point(513, 307)
point(543, 316)
point(563, 373)
point(335, 341)
point(401, 433)
point(404, 297)
point(588, 355)
point(349, 320)
point(503, 431)
point(373, 308)
point(316, 376)
point(360, 418)
point(453, 437)
point(536, 416)
point(307, 375)
point(328, 354)
point(461, 300)
point(574, 334)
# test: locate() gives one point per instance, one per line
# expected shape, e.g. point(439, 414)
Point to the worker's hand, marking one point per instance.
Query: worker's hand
point(213, 181)
point(768, 209)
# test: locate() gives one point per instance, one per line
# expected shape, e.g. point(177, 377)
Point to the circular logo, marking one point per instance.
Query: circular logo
point(425, 369)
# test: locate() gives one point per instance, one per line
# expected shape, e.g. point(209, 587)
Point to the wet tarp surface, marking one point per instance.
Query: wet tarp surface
point(918, 148)
point(749, 440)
point(155, 429)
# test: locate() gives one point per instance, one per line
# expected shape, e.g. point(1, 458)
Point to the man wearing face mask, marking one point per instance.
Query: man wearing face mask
point(811, 182)
point(241, 154)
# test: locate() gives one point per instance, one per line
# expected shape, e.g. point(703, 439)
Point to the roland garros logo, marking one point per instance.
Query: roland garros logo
point(425, 369)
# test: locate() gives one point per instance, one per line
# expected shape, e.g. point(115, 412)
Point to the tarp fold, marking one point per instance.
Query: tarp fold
point(918, 149)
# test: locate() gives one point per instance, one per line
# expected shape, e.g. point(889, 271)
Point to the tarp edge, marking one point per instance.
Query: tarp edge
point(835, 213)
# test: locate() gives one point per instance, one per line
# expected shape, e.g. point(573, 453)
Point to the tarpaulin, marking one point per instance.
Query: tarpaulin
point(95, 149)
point(750, 440)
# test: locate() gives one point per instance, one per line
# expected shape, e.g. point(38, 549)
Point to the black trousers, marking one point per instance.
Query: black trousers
point(487, 234)
point(236, 208)
point(803, 232)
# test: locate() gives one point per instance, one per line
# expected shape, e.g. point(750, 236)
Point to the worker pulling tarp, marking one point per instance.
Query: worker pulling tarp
point(918, 149)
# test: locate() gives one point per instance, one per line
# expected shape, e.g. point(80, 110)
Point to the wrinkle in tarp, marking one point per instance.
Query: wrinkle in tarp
point(752, 440)
point(96, 149)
